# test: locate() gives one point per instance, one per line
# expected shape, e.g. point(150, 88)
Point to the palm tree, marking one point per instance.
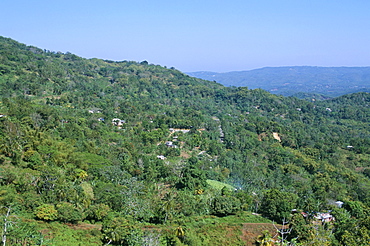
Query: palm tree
point(265, 239)
point(168, 205)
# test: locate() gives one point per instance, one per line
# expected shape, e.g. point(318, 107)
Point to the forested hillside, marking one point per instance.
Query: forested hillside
point(315, 82)
point(128, 153)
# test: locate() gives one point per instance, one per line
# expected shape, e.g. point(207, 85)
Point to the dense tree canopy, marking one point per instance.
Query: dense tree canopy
point(128, 144)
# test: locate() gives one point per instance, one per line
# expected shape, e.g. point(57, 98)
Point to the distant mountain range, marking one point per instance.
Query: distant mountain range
point(300, 81)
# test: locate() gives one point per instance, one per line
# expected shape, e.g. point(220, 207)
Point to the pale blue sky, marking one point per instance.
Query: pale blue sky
point(197, 35)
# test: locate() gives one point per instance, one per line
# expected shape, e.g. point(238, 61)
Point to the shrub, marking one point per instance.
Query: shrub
point(68, 213)
point(46, 212)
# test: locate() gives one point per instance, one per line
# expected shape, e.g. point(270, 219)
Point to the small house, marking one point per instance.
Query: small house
point(170, 144)
point(162, 157)
point(118, 122)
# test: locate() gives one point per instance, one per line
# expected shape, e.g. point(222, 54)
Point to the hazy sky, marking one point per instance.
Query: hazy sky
point(197, 35)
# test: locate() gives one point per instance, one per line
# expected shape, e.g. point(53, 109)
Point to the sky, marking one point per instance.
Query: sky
point(197, 35)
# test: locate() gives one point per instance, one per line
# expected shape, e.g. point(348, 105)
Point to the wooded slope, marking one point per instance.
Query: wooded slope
point(130, 144)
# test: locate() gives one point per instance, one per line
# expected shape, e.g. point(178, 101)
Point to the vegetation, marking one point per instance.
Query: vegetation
point(128, 153)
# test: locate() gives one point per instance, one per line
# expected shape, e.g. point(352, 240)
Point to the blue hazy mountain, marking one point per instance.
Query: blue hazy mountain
point(288, 81)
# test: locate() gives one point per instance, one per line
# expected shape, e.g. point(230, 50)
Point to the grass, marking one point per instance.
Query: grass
point(228, 230)
point(219, 185)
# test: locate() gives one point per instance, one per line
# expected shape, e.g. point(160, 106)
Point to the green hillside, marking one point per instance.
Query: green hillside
point(120, 153)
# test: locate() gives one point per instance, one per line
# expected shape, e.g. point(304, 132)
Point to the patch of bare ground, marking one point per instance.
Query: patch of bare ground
point(85, 226)
point(251, 231)
point(360, 169)
point(185, 155)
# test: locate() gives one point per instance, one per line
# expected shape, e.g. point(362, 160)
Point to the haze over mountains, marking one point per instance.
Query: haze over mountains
point(288, 81)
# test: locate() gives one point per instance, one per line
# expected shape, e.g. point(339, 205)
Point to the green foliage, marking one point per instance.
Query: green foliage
point(219, 185)
point(193, 179)
point(68, 213)
point(352, 225)
point(300, 227)
point(225, 205)
point(120, 231)
point(277, 205)
point(46, 212)
point(83, 138)
point(265, 239)
point(98, 212)
point(355, 208)
point(25, 233)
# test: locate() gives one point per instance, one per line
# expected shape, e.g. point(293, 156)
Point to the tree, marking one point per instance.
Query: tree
point(277, 205)
point(168, 205)
point(299, 227)
point(193, 179)
point(5, 226)
point(98, 212)
point(351, 230)
point(225, 205)
point(68, 213)
point(119, 231)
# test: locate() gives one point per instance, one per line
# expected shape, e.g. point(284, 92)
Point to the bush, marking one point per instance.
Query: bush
point(46, 212)
point(98, 212)
point(225, 205)
point(120, 231)
point(68, 213)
